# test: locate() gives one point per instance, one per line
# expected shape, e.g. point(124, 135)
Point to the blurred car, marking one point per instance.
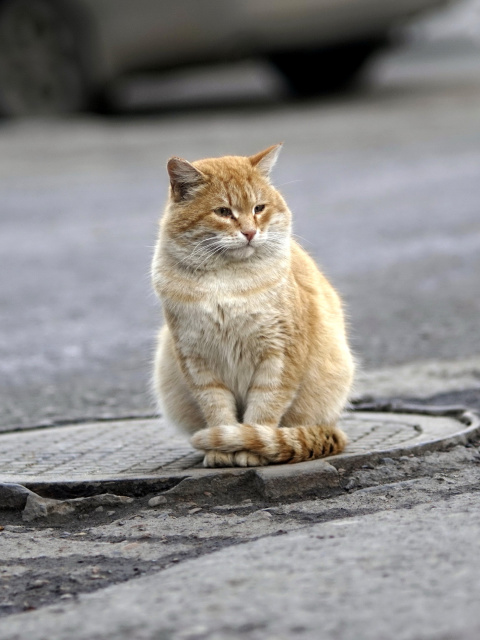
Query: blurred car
point(60, 56)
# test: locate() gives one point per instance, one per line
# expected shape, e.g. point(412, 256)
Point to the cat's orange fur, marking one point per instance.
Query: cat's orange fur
point(253, 359)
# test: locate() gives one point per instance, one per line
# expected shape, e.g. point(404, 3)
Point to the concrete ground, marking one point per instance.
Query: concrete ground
point(384, 186)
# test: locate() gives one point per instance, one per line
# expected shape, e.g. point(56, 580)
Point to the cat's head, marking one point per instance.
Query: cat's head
point(224, 210)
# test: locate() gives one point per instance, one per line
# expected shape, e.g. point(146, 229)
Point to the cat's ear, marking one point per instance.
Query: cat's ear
point(266, 159)
point(184, 178)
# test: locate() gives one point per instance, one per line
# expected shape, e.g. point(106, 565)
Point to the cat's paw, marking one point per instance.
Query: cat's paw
point(249, 459)
point(233, 459)
point(218, 459)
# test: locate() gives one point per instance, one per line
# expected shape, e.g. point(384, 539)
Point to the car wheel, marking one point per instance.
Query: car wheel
point(325, 70)
point(40, 65)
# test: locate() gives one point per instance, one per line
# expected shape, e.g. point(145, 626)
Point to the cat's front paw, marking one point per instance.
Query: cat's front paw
point(233, 459)
point(249, 459)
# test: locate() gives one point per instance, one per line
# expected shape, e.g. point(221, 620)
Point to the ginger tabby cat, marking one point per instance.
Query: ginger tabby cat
point(253, 359)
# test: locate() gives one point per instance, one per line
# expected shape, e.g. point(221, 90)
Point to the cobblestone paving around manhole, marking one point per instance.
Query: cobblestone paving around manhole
point(141, 448)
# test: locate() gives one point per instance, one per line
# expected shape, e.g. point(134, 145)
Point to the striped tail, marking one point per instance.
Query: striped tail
point(276, 445)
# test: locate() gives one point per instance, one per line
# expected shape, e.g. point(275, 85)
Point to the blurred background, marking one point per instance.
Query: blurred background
point(378, 104)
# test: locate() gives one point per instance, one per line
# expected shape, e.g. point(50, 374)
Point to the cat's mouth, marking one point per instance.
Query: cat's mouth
point(240, 253)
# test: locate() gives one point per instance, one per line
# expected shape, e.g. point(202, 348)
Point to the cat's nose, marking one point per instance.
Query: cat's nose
point(249, 234)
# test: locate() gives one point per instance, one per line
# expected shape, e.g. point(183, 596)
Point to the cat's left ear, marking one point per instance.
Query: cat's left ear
point(184, 178)
point(265, 160)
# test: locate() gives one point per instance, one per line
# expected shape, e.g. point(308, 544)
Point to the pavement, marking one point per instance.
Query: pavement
point(108, 526)
point(360, 569)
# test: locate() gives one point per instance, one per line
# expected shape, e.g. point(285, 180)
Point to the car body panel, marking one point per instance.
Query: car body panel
point(78, 49)
point(141, 34)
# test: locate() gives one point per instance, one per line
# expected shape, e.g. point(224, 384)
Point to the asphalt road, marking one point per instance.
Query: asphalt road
point(385, 189)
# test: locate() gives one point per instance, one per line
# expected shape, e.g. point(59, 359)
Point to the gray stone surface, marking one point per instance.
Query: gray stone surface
point(37, 507)
point(13, 496)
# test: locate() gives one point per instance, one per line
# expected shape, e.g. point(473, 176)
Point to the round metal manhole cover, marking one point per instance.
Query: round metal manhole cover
point(136, 449)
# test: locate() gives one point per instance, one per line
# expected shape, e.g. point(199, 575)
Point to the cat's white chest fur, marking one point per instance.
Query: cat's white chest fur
point(227, 335)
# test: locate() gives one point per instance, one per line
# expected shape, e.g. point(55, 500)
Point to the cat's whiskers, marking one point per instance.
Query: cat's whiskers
point(209, 258)
point(296, 235)
point(198, 248)
point(273, 242)
point(219, 249)
point(214, 247)
point(202, 246)
point(289, 182)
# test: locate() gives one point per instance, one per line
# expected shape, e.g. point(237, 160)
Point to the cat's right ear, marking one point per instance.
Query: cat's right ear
point(265, 160)
point(184, 178)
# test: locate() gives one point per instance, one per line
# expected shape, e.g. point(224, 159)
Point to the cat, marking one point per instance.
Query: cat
point(253, 359)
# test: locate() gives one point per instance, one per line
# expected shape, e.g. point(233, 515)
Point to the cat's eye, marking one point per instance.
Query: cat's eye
point(224, 211)
point(259, 208)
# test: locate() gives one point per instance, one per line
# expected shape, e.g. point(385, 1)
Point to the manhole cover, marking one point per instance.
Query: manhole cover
point(135, 449)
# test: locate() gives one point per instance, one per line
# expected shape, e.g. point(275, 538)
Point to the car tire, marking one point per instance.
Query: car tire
point(326, 70)
point(41, 71)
